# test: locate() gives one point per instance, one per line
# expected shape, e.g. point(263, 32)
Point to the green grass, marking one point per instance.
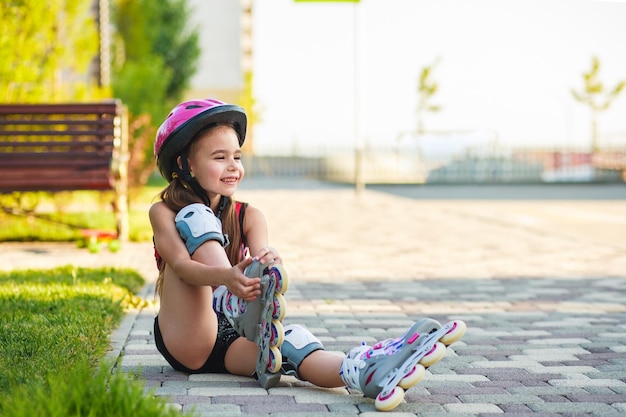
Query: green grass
point(69, 276)
point(50, 319)
point(85, 394)
point(65, 227)
point(54, 329)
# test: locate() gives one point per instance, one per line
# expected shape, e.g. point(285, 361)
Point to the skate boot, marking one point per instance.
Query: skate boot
point(260, 320)
point(384, 371)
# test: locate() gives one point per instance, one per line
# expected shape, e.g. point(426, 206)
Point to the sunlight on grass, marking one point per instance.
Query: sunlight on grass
point(55, 324)
point(54, 329)
point(81, 392)
point(71, 275)
point(59, 217)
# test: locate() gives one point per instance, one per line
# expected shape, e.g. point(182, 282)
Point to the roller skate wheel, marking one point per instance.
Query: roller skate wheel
point(434, 356)
point(412, 379)
point(391, 401)
point(282, 281)
point(275, 360)
point(280, 307)
point(455, 334)
point(278, 333)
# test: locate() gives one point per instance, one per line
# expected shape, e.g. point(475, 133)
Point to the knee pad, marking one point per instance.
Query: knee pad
point(299, 343)
point(197, 224)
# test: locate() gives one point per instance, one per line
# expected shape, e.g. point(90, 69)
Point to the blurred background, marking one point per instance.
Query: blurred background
point(364, 92)
point(408, 91)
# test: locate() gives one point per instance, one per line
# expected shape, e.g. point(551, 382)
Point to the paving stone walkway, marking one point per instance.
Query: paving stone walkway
point(550, 347)
point(541, 285)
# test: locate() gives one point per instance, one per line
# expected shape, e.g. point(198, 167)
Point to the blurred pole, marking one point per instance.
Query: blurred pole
point(101, 64)
point(359, 183)
point(246, 96)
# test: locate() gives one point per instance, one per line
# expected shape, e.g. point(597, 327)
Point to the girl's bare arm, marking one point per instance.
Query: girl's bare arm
point(210, 266)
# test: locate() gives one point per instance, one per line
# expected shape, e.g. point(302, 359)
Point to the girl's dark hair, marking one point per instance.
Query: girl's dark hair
point(179, 194)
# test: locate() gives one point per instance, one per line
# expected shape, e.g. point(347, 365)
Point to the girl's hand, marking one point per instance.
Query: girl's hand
point(242, 286)
point(268, 255)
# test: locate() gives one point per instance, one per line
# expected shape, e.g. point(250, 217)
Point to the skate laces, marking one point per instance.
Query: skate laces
point(351, 365)
point(384, 347)
point(387, 347)
point(392, 345)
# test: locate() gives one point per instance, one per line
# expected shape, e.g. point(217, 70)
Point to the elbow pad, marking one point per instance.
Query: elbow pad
point(197, 224)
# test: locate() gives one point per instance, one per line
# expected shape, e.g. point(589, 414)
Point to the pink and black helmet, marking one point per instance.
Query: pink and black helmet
point(185, 121)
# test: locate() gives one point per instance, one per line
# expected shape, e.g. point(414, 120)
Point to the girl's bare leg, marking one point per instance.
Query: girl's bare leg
point(186, 317)
point(241, 357)
point(322, 369)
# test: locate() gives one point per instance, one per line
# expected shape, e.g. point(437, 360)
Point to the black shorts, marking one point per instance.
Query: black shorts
point(226, 335)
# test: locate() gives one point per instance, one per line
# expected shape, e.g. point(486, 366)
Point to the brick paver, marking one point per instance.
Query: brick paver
point(540, 285)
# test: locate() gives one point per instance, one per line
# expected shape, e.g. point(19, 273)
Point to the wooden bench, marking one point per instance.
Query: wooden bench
point(66, 147)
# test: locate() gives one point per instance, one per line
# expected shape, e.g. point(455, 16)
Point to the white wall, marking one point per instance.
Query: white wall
point(219, 69)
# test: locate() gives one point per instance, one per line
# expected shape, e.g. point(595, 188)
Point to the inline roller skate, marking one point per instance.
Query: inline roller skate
point(384, 371)
point(260, 320)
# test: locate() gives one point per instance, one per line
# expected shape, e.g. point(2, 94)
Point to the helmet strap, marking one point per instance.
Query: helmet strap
point(224, 202)
point(183, 170)
point(185, 174)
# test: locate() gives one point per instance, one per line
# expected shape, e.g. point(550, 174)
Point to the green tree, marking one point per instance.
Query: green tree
point(594, 95)
point(426, 90)
point(155, 55)
point(156, 52)
point(45, 50)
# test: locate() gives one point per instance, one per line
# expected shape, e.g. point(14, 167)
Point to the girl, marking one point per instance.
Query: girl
point(201, 235)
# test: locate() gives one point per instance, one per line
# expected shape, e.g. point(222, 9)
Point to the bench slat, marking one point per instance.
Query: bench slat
point(68, 164)
point(55, 184)
point(7, 146)
point(16, 152)
point(57, 174)
point(62, 108)
point(106, 122)
point(13, 133)
point(59, 178)
point(61, 152)
point(62, 156)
